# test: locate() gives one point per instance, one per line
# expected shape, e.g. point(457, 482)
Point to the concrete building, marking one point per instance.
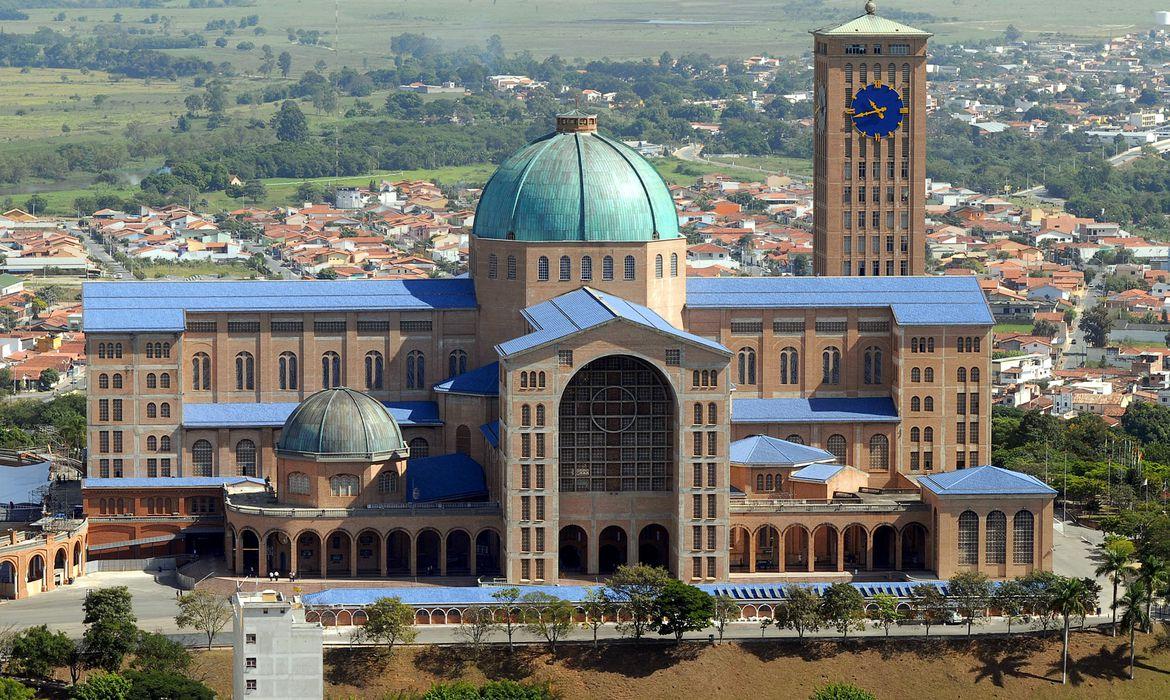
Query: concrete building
point(275, 652)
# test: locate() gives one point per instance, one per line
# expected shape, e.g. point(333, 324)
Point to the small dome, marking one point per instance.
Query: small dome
point(341, 425)
point(576, 185)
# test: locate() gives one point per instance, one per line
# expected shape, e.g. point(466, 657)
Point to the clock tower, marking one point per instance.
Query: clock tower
point(869, 154)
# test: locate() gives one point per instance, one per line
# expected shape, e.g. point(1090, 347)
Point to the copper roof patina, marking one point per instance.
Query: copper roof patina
point(341, 424)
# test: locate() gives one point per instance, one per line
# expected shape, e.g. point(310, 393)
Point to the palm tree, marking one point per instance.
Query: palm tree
point(1134, 615)
point(1116, 557)
point(1153, 574)
point(1068, 597)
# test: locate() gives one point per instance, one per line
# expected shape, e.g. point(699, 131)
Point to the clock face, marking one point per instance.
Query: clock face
point(877, 110)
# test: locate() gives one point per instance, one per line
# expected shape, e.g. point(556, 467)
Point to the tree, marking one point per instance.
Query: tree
point(205, 612)
point(289, 123)
point(1068, 599)
point(548, 617)
point(103, 686)
point(36, 204)
point(309, 192)
point(327, 274)
point(765, 623)
point(1134, 606)
point(254, 191)
point(110, 632)
point(509, 597)
point(1008, 598)
point(636, 588)
point(682, 608)
point(886, 610)
point(1153, 572)
point(48, 379)
point(929, 605)
point(725, 610)
point(157, 684)
point(12, 689)
point(388, 621)
point(842, 606)
point(193, 102)
point(970, 592)
point(597, 606)
point(1115, 557)
point(157, 652)
point(1096, 324)
point(801, 610)
point(284, 62)
point(476, 624)
point(1045, 329)
point(801, 266)
point(841, 691)
point(36, 652)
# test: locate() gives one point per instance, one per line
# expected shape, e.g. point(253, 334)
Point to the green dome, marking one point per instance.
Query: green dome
point(341, 425)
point(576, 185)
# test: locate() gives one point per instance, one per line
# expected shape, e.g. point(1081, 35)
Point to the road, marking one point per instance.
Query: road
point(273, 264)
point(1125, 157)
point(691, 152)
point(1075, 347)
point(97, 252)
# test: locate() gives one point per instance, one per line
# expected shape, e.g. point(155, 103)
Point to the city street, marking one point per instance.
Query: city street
point(96, 252)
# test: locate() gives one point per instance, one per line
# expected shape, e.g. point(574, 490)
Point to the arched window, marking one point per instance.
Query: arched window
point(118, 350)
point(674, 264)
point(1023, 546)
point(968, 539)
point(789, 361)
point(831, 366)
point(540, 380)
point(698, 414)
point(566, 268)
point(525, 416)
point(164, 380)
point(416, 370)
point(456, 363)
point(928, 374)
point(151, 443)
point(996, 537)
point(928, 404)
point(419, 447)
point(246, 458)
point(201, 458)
point(149, 350)
point(962, 374)
point(915, 435)
point(915, 403)
point(511, 270)
point(873, 366)
point(915, 374)
point(330, 370)
point(795, 439)
point(747, 366)
point(879, 452)
point(388, 481)
point(374, 369)
point(117, 380)
point(103, 381)
point(298, 482)
point(287, 365)
point(712, 413)
point(836, 446)
point(768, 483)
point(101, 351)
point(201, 371)
point(928, 434)
point(164, 410)
point(151, 380)
point(759, 483)
point(245, 371)
point(151, 410)
point(166, 349)
point(975, 375)
point(540, 415)
point(164, 443)
point(542, 269)
point(607, 267)
point(930, 344)
point(658, 266)
point(344, 485)
point(629, 267)
point(493, 266)
point(463, 440)
point(586, 268)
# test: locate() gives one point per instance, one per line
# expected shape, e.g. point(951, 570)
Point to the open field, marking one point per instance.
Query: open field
point(615, 28)
point(1013, 328)
point(986, 668)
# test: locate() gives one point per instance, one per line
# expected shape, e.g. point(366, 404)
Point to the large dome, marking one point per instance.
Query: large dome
point(341, 425)
point(576, 185)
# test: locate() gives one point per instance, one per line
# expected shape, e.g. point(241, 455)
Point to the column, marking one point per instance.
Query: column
point(238, 556)
point(632, 534)
point(897, 551)
point(840, 550)
point(981, 550)
point(592, 553)
point(1009, 546)
point(443, 556)
point(383, 556)
point(323, 555)
point(262, 558)
point(413, 553)
point(353, 552)
point(472, 557)
point(751, 549)
point(869, 551)
point(292, 555)
point(779, 551)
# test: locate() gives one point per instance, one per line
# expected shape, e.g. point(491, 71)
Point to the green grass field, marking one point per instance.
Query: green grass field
point(1013, 328)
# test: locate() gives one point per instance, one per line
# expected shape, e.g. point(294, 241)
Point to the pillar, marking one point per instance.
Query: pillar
point(353, 551)
point(840, 550)
point(472, 558)
point(292, 554)
point(809, 551)
point(1010, 546)
point(897, 551)
point(414, 554)
point(751, 548)
point(323, 555)
point(780, 551)
point(238, 555)
point(443, 556)
point(262, 558)
point(592, 554)
point(632, 534)
point(383, 556)
point(869, 550)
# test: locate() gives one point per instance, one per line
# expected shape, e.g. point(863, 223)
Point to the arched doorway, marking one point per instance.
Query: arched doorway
point(914, 547)
point(308, 555)
point(740, 547)
point(427, 546)
point(398, 553)
point(573, 550)
point(796, 554)
point(60, 567)
point(487, 553)
point(654, 546)
point(825, 548)
point(7, 580)
point(249, 553)
point(338, 548)
point(277, 549)
point(458, 553)
point(77, 568)
point(35, 578)
point(768, 550)
point(856, 540)
point(613, 548)
point(883, 547)
point(369, 553)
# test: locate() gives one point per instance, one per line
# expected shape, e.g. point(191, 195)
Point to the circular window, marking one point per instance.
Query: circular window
point(613, 409)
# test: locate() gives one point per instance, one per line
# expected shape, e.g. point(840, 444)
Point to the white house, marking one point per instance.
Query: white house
point(275, 653)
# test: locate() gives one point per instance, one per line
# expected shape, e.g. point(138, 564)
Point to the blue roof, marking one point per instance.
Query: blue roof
point(877, 409)
point(444, 478)
point(587, 308)
point(986, 480)
point(914, 301)
point(482, 595)
point(161, 306)
point(190, 482)
point(764, 450)
point(491, 432)
point(17, 483)
point(817, 473)
point(482, 381)
point(273, 415)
